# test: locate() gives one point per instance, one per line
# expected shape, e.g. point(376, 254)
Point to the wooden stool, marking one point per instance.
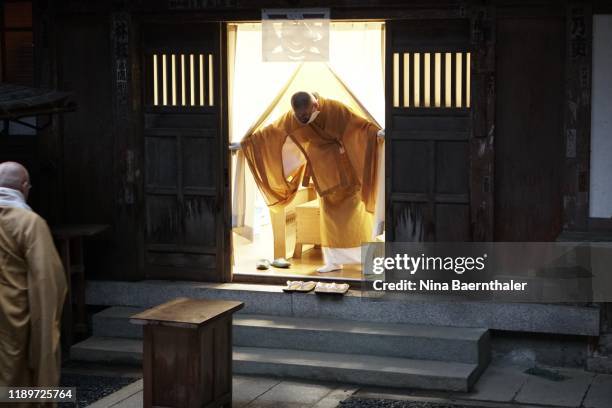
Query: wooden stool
point(187, 353)
point(281, 219)
point(307, 226)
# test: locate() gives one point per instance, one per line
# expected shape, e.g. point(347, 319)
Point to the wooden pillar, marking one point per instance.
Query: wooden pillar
point(482, 21)
point(49, 140)
point(127, 167)
point(577, 113)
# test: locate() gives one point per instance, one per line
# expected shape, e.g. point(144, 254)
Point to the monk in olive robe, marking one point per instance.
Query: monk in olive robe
point(339, 150)
point(32, 288)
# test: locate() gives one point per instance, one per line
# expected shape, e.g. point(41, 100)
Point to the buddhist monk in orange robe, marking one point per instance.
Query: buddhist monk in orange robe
point(32, 289)
point(339, 149)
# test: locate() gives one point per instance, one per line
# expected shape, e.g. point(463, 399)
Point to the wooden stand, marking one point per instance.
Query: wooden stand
point(187, 359)
point(282, 217)
point(307, 229)
point(69, 240)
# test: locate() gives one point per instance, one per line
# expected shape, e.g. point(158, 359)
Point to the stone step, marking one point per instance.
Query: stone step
point(362, 370)
point(270, 300)
point(321, 366)
point(111, 350)
point(466, 345)
point(114, 322)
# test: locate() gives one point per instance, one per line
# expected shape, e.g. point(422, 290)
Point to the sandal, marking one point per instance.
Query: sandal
point(281, 263)
point(332, 288)
point(292, 286)
point(262, 264)
point(299, 286)
point(306, 287)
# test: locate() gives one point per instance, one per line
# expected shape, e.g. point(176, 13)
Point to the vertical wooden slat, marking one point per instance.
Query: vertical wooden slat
point(211, 81)
point(464, 80)
point(407, 77)
point(410, 79)
point(400, 80)
point(395, 94)
point(172, 77)
point(422, 80)
point(165, 80)
point(160, 79)
point(154, 86)
point(205, 86)
point(432, 79)
point(188, 79)
point(196, 79)
point(181, 81)
point(453, 79)
point(443, 83)
point(201, 75)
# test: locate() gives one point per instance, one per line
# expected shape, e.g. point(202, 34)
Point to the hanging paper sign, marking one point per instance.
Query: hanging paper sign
point(295, 34)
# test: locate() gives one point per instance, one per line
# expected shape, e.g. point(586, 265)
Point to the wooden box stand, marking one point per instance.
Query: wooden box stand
point(307, 230)
point(187, 355)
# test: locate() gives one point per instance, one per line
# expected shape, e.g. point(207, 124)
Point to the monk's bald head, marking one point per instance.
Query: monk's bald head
point(13, 175)
point(303, 104)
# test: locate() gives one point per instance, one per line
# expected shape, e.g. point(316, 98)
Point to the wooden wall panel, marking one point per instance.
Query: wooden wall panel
point(88, 159)
point(529, 143)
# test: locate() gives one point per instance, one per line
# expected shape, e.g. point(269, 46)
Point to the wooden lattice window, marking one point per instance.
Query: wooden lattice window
point(431, 79)
point(16, 43)
point(181, 80)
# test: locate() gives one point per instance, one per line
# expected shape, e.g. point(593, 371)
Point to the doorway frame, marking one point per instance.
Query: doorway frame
point(480, 18)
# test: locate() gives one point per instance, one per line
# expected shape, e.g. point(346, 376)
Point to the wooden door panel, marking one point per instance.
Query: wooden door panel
point(197, 173)
point(182, 137)
point(162, 216)
point(161, 163)
point(199, 221)
point(452, 167)
point(453, 222)
point(410, 170)
point(428, 130)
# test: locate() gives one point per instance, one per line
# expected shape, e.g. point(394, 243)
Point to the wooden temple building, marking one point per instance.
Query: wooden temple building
point(516, 150)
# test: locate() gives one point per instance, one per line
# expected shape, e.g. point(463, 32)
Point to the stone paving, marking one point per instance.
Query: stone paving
point(499, 386)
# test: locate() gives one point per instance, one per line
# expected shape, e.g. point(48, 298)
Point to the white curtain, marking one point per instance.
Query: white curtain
point(255, 84)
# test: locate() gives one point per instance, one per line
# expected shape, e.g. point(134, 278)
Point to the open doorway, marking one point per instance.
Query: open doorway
point(257, 90)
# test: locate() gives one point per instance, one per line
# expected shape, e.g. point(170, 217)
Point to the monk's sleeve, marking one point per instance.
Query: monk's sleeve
point(263, 151)
point(46, 292)
point(361, 142)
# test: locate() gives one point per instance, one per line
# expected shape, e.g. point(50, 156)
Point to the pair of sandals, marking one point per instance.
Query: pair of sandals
point(320, 287)
point(264, 264)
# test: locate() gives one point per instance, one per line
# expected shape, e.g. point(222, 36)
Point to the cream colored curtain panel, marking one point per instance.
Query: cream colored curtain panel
point(260, 93)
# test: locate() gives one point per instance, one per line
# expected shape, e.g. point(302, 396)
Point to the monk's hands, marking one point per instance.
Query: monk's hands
point(381, 133)
point(234, 147)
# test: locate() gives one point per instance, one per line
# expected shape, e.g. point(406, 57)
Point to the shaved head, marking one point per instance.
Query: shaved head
point(13, 175)
point(301, 100)
point(303, 104)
